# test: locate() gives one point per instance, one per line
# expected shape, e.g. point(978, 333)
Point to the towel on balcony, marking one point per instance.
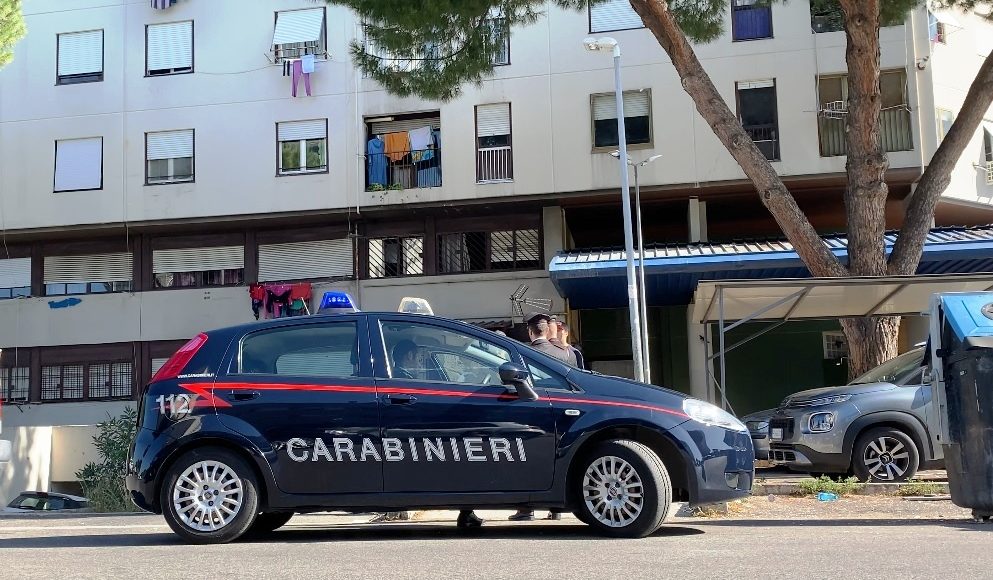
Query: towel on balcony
point(397, 145)
point(420, 140)
point(307, 62)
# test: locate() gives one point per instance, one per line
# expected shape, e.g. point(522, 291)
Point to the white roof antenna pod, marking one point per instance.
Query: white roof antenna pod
point(412, 305)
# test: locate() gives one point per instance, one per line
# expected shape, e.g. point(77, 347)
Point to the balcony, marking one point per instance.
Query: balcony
point(894, 129)
point(749, 22)
point(766, 138)
point(403, 170)
point(495, 164)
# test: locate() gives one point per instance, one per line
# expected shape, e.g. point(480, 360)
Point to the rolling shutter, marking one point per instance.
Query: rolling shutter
point(158, 363)
point(114, 267)
point(493, 120)
point(636, 104)
point(170, 46)
point(306, 260)
point(294, 26)
point(767, 84)
point(198, 259)
point(169, 144)
point(81, 53)
point(298, 130)
point(384, 127)
point(15, 273)
point(79, 164)
point(613, 15)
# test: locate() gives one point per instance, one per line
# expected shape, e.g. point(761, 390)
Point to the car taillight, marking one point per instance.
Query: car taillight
point(178, 361)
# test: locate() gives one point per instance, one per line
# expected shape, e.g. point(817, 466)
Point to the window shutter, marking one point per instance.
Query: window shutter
point(746, 85)
point(636, 104)
point(198, 259)
point(81, 52)
point(297, 130)
point(79, 164)
point(493, 120)
point(169, 144)
point(613, 15)
point(170, 46)
point(384, 127)
point(15, 273)
point(306, 260)
point(158, 363)
point(298, 26)
point(114, 267)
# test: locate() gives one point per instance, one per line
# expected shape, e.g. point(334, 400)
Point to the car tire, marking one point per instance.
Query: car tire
point(885, 455)
point(198, 518)
point(611, 477)
point(268, 522)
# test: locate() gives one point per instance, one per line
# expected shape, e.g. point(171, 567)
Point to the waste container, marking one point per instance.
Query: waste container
point(964, 345)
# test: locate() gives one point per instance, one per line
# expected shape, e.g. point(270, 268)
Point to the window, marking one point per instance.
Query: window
point(758, 115)
point(15, 384)
point(302, 146)
point(611, 15)
point(433, 353)
point(835, 345)
point(80, 57)
point(637, 119)
point(169, 157)
point(85, 381)
point(306, 260)
point(309, 350)
point(750, 19)
point(894, 119)
point(826, 16)
point(543, 378)
point(396, 256)
point(87, 274)
point(15, 278)
point(403, 151)
point(494, 156)
point(79, 164)
point(500, 38)
point(988, 151)
point(481, 251)
point(945, 121)
point(198, 267)
point(169, 48)
point(298, 33)
point(935, 28)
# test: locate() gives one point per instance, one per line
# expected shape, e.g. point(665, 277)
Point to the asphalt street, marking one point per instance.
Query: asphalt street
point(324, 546)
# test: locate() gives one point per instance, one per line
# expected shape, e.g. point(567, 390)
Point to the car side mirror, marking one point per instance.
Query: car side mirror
point(514, 375)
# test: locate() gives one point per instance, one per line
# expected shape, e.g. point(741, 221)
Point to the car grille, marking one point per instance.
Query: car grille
point(782, 453)
point(785, 424)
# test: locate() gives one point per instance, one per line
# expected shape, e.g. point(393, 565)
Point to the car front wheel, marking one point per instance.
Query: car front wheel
point(624, 490)
point(885, 455)
point(210, 496)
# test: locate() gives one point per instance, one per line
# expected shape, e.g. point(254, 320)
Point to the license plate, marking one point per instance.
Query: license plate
point(777, 433)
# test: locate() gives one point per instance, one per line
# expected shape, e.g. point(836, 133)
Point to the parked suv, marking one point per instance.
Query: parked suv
point(874, 427)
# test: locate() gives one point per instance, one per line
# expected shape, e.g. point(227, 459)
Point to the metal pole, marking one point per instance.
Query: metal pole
point(642, 289)
point(720, 322)
point(636, 352)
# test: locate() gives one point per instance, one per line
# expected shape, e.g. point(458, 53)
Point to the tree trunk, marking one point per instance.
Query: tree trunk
point(871, 342)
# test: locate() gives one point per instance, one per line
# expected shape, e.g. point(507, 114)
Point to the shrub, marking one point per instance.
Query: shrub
point(920, 488)
point(838, 487)
point(103, 482)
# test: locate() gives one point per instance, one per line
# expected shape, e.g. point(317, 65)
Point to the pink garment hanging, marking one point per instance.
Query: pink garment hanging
point(297, 73)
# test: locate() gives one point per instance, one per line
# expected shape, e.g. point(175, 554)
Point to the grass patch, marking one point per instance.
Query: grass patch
point(839, 487)
point(920, 488)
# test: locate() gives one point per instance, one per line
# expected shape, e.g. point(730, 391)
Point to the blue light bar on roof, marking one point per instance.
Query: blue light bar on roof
point(336, 302)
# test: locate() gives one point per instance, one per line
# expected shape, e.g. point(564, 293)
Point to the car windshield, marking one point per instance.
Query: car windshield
point(894, 369)
point(32, 502)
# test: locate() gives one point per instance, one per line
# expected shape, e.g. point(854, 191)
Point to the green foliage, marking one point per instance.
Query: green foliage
point(915, 488)
point(11, 28)
point(839, 487)
point(103, 482)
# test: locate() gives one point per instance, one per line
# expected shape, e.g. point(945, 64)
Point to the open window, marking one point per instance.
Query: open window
point(298, 33)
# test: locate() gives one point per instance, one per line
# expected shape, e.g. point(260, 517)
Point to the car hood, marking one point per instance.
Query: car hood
point(809, 395)
point(759, 416)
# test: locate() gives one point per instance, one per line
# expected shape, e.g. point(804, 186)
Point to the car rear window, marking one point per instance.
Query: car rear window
point(324, 350)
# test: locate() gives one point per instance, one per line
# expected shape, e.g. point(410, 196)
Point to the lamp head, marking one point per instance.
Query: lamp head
point(591, 44)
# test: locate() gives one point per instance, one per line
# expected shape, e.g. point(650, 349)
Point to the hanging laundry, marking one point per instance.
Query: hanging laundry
point(376, 160)
point(277, 299)
point(307, 62)
point(287, 68)
point(162, 4)
point(257, 294)
point(397, 145)
point(420, 140)
point(297, 73)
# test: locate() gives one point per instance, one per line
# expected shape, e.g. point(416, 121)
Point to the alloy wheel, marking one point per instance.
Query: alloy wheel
point(886, 458)
point(613, 491)
point(207, 496)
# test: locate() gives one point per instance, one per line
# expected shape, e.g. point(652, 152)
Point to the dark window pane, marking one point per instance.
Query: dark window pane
point(182, 168)
point(100, 287)
point(290, 155)
point(758, 106)
point(325, 350)
point(494, 141)
point(316, 154)
point(638, 131)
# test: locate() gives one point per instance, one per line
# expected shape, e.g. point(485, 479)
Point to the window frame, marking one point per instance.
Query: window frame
point(942, 133)
point(479, 148)
point(233, 362)
point(322, 42)
point(401, 239)
point(55, 166)
point(193, 51)
point(843, 77)
point(589, 22)
point(987, 129)
point(488, 250)
point(630, 146)
point(83, 78)
point(171, 160)
point(500, 21)
point(733, 7)
point(326, 168)
point(6, 382)
point(86, 366)
point(775, 106)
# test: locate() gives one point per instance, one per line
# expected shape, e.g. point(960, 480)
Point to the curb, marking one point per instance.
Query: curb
point(871, 489)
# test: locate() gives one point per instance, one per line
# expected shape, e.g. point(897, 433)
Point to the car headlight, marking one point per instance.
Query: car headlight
point(712, 415)
point(757, 426)
point(821, 422)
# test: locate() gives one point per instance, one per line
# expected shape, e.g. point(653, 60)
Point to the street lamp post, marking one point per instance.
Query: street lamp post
point(606, 43)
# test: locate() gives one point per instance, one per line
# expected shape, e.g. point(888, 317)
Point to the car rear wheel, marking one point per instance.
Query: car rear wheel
point(624, 490)
point(210, 496)
point(267, 522)
point(885, 454)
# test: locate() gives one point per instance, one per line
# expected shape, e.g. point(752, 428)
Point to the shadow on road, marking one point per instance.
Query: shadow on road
point(853, 522)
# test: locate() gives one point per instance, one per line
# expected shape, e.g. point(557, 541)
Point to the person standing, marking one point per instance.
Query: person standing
point(564, 333)
point(555, 337)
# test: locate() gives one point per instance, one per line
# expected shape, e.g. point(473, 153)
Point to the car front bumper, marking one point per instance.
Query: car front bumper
point(793, 445)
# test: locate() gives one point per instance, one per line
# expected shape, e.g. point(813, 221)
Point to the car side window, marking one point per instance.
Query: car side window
point(432, 353)
point(544, 378)
point(309, 350)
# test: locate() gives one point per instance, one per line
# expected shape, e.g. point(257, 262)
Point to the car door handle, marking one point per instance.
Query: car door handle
point(401, 399)
point(245, 396)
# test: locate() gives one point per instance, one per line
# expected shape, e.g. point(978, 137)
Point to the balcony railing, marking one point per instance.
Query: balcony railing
point(751, 22)
point(494, 164)
point(766, 138)
point(894, 129)
point(403, 170)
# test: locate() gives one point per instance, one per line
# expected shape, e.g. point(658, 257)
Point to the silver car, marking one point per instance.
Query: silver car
point(875, 427)
point(758, 428)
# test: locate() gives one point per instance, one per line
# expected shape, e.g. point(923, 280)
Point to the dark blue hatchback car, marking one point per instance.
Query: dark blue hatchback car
point(245, 426)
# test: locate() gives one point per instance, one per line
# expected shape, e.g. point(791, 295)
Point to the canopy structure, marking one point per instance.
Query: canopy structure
point(731, 303)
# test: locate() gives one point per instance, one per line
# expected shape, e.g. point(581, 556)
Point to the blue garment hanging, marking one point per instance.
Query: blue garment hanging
point(376, 161)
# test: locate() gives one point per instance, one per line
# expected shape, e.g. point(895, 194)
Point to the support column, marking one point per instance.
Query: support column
point(697, 353)
point(697, 216)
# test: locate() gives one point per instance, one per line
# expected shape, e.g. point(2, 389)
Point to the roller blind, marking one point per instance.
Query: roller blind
point(613, 15)
point(198, 259)
point(115, 267)
point(306, 260)
point(384, 127)
point(766, 84)
point(297, 130)
point(493, 120)
point(298, 26)
point(169, 144)
point(158, 363)
point(79, 164)
point(81, 52)
point(170, 46)
point(636, 104)
point(15, 273)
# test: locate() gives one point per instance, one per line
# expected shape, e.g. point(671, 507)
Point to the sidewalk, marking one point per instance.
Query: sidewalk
point(780, 482)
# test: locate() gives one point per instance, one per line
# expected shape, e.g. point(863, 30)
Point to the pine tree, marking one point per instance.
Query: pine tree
point(11, 29)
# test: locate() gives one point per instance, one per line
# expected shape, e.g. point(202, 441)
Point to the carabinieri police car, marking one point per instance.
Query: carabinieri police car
point(367, 411)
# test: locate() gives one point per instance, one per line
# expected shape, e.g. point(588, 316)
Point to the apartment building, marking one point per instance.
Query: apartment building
point(159, 164)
